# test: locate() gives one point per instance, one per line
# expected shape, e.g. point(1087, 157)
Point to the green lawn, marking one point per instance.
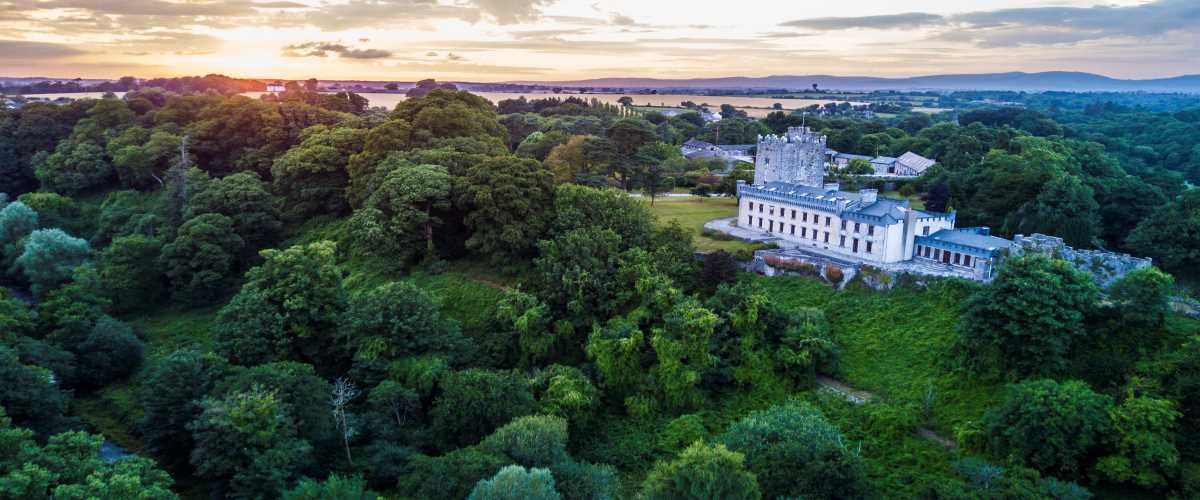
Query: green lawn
point(896, 343)
point(692, 212)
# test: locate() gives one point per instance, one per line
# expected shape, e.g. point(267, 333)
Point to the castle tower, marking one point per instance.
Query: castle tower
point(797, 157)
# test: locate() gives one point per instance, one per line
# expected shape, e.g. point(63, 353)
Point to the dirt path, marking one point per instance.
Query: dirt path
point(859, 396)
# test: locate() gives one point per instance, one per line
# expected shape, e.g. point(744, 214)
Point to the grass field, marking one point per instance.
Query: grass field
point(692, 212)
point(895, 343)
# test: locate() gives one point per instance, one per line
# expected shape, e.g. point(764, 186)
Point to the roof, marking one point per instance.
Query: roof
point(850, 156)
point(737, 147)
point(885, 211)
point(971, 238)
point(916, 162)
point(883, 159)
point(694, 143)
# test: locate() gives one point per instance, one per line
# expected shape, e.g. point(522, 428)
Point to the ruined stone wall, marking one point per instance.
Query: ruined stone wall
point(1105, 267)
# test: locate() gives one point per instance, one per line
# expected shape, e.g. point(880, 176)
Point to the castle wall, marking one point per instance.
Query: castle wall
point(798, 157)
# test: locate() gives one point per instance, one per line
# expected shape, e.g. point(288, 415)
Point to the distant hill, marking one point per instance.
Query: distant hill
point(1053, 80)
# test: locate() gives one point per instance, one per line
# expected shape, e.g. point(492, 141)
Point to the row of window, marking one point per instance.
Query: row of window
point(945, 256)
point(816, 218)
point(805, 232)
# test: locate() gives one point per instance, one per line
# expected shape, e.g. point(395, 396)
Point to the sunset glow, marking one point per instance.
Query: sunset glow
point(501, 40)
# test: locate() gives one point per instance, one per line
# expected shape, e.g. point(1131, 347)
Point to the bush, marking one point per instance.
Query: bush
point(516, 483)
point(532, 441)
point(795, 452)
point(110, 352)
point(50, 257)
point(1048, 425)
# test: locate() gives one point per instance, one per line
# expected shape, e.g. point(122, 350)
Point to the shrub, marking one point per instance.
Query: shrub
point(516, 483)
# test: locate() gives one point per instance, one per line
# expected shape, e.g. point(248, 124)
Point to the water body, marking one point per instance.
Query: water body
point(755, 106)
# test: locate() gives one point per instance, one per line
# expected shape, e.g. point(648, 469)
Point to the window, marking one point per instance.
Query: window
point(770, 226)
point(842, 242)
point(752, 206)
point(814, 235)
point(804, 216)
point(804, 232)
point(925, 231)
point(793, 214)
point(843, 225)
point(855, 250)
point(827, 221)
point(857, 227)
point(760, 221)
point(826, 236)
point(760, 208)
point(869, 245)
point(870, 232)
point(793, 229)
point(772, 213)
point(967, 260)
point(750, 220)
point(957, 258)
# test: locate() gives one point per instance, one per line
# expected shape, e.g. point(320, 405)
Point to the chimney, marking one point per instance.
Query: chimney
point(868, 196)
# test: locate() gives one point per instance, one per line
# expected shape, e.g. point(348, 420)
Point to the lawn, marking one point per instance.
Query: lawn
point(896, 344)
point(692, 212)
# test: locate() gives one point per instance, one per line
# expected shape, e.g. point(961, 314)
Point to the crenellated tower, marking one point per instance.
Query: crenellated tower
point(797, 157)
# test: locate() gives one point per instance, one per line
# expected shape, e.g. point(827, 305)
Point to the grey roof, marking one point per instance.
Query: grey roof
point(971, 238)
point(916, 162)
point(884, 211)
point(883, 159)
point(736, 147)
point(695, 143)
point(850, 156)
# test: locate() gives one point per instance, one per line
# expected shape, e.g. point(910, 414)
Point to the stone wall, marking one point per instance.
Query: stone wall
point(1105, 267)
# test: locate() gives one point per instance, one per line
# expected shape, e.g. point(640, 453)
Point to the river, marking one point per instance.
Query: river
point(754, 106)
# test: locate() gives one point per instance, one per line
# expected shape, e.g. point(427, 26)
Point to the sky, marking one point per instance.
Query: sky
point(557, 40)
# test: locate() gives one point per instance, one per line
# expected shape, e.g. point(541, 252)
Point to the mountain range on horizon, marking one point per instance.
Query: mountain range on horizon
point(1017, 81)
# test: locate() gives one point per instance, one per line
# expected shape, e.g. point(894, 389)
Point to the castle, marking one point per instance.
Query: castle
point(816, 222)
point(797, 157)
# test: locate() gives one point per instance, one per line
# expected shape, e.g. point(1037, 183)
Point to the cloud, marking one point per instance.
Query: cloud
point(511, 11)
point(1029, 25)
point(883, 22)
point(323, 49)
point(22, 50)
point(622, 20)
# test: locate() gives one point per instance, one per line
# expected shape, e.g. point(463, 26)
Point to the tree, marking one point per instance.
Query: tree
point(1143, 439)
point(297, 295)
point(29, 395)
point(1050, 426)
point(248, 440)
point(1171, 235)
point(74, 168)
point(334, 487)
point(516, 483)
point(1066, 208)
point(343, 393)
point(1142, 297)
point(202, 260)
point(245, 200)
point(651, 168)
point(141, 156)
point(474, 402)
point(628, 136)
point(312, 176)
point(128, 267)
point(1027, 319)
point(531, 441)
point(568, 160)
point(507, 200)
point(406, 205)
point(17, 220)
point(796, 453)
point(719, 267)
point(49, 258)
point(625, 101)
point(446, 114)
point(701, 471)
point(395, 320)
point(170, 396)
point(567, 392)
point(110, 352)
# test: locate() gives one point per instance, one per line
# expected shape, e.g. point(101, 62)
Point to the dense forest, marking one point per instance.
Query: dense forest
point(304, 297)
